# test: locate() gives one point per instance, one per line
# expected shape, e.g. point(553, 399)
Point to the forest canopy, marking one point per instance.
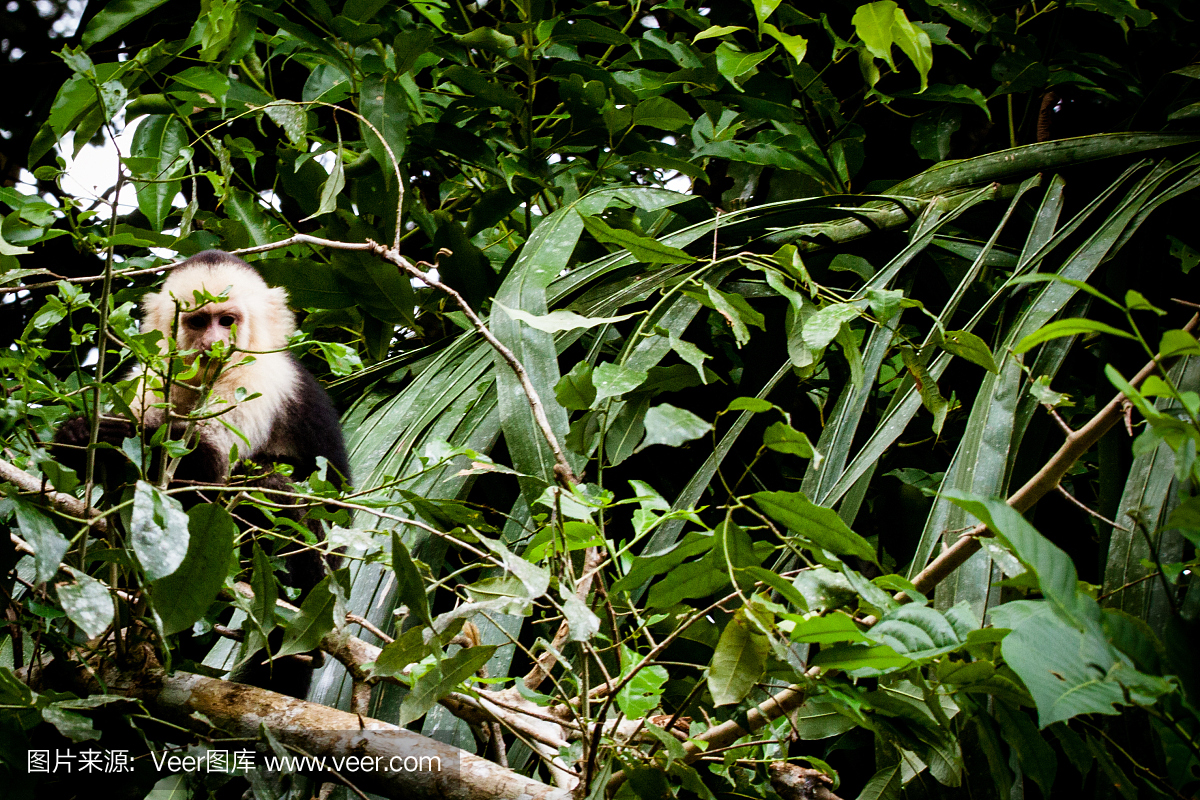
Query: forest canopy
point(752, 398)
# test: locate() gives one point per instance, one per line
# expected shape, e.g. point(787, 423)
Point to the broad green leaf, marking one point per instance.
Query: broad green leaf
point(291, 117)
point(159, 531)
point(783, 438)
point(266, 593)
point(614, 380)
point(796, 46)
point(114, 16)
point(382, 103)
point(739, 660)
point(666, 424)
point(443, 679)
point(161, 146)
point(1054, 569)
point(184, 596)
point(764, 9)
point(733, 62)
point(332, 187)
point(315, 619)
point(575, 390)
point(644, 248)
point(715, 31)
point(827, 629)
point(849, 657)
point(915, 43)
point(49, 545)
point(558, 321)
point(873, 23)
point(1178, 343)
point(1035, 755)
point(582, 623)
point(87, 603)
point(820, 526)
point(662, 113)
point(1072, 326)
point(969, 346)
point(410, 587)
point(823, 326)
point(408, 648)
point(1069, 671)
point(916, 631)
point(644, 691)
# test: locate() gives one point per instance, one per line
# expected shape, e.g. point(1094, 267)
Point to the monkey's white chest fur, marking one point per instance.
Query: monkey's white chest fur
point(268, 380)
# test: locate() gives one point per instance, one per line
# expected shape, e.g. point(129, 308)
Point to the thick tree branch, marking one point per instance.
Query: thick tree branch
point(237, 710)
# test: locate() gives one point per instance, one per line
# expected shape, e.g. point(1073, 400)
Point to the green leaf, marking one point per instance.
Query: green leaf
point(1071, 326)
point(931, 396)
point(764, 9)
point(715, 31)
point(918, 632)
point(409, 585)
point(873, 24)
point(666, 424)
point(614, 380)
point(161, 146)
point(1067, 670)
point(796, 46)
point(558, 321)
point(820, 526)
point(114, 16)
point(38, 529)
point(408, 648)
point(733, 62)
point(159, 532)
point(1178, 343)
point(783, 438)
point(87, 603)
point(575, 390)
point(382, 103)
point(291, 117)
point(739, 661)
point(834, 627)
point(184, 596)
point(332, 186)
point(1035, 755)
point(972, 348)
point(644, 248)
point(662, 113)
point(314, 620)
point(443, 679)
point(822, 327)
point(915, 44)
point(643, 692)
point(849, 657)
point(266, 593)
point(1054, 569)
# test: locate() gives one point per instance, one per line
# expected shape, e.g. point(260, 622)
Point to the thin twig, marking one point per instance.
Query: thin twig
point(1063, 491)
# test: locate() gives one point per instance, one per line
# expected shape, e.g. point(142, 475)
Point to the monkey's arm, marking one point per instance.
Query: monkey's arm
point(204, 464)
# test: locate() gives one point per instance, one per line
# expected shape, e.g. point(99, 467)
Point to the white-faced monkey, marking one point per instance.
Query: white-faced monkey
point(287, 419)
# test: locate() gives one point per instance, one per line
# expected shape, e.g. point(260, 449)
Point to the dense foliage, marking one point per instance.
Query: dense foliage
point(805, 292)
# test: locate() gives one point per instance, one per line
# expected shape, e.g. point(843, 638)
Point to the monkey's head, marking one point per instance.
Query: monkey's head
point(260, 313)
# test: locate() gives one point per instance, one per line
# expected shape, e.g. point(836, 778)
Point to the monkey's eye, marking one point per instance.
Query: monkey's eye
point(227, 320)
point(197, 322)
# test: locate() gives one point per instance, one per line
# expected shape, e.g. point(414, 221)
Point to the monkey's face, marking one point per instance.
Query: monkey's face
point(202, 329)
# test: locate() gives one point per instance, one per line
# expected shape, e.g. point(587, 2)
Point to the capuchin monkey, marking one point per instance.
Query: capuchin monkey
point(287, 420)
